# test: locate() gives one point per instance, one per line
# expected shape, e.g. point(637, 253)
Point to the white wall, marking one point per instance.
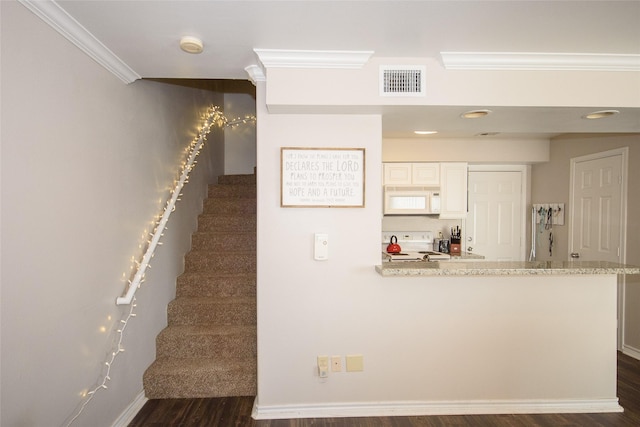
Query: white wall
point(307, 307)
point(424, 341)
point(87, 163)
point(550, 183)
point(321, 89)
point(491, 150)
point(239, 142)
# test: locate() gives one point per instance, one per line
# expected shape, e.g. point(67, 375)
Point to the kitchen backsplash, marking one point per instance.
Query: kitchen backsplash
point(421, 223)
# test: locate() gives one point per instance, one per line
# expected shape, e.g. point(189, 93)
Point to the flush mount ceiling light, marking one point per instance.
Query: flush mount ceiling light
point(191, 44)
point(600, 114)
point(425, 132)
point(475, 114)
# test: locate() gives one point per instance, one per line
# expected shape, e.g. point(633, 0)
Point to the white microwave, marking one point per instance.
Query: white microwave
point(411, 200)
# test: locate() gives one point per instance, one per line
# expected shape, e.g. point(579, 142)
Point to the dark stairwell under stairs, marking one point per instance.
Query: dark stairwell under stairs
point(208, 348)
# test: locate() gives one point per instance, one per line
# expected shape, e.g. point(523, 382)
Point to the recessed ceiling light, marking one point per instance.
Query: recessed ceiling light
point(191, 44)
point(475, 114)
point(600, 114)
point(425, 132)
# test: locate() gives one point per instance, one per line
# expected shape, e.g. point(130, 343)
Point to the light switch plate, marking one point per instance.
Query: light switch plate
point(321, 247)
point(323, 366)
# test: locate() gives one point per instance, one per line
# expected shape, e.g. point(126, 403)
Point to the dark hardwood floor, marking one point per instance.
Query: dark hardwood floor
point(236, 411)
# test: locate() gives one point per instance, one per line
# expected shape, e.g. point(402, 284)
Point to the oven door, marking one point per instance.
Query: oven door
point(404, 256)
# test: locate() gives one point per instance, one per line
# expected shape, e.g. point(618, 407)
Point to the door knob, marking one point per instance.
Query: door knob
point(575, 255)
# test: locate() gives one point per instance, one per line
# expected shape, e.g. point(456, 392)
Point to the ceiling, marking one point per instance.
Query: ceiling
point(145, 36)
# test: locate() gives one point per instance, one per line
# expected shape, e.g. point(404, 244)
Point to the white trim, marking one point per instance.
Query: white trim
point(55, 16)
point(539, 61)
point(255, 73)
point(631, 351)
point(278, 58)
point(131, 411)
point(384, 409)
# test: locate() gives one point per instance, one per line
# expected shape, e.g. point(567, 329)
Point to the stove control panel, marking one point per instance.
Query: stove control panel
point(408, 236)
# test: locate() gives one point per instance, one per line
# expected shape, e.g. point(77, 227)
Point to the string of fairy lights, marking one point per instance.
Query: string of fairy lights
point(214, 118)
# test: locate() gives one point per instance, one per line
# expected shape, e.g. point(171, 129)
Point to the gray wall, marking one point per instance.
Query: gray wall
point(239, 142)
point(87, 164)
point(550, 183)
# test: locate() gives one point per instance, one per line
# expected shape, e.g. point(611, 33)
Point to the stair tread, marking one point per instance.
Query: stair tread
point(224, 233)
point(230, 249)
point(219, 252)
point(213, 300)
point(209, 347)
point(225, 215)
point(215, 274)
point(190, 365)
point(208, 329)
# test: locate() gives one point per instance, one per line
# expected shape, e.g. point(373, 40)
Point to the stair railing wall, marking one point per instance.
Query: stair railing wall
point(193, 152)
point(214, 117)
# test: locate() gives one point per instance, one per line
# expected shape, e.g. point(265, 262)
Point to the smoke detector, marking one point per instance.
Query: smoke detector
point(191, 44)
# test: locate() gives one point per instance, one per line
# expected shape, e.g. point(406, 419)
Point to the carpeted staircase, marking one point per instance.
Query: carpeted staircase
point(209, 346)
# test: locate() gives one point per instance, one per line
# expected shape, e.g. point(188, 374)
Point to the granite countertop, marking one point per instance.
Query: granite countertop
point(503, 268)
point(466, 255)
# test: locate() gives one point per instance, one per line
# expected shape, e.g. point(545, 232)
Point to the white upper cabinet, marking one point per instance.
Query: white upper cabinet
point(453, 190)
point(426, 174)
point(412, 173)
point(397, 173)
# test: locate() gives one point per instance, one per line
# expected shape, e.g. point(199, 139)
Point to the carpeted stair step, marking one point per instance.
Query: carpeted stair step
point(221, 262)
point(232, 190)
point(206, 341)
point(237, 179)
point(229, 206)
point(216, 241)
point(206, 284)
point(212, 311)
point(200, 378)
point(230, 223)
point(209, 347)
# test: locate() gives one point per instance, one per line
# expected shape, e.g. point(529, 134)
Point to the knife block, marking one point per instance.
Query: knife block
point(455, 247)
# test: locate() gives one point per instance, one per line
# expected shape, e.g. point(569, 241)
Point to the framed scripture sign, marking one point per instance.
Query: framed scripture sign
point(322, 177)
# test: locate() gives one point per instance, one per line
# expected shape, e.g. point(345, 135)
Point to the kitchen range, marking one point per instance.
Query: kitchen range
point(403, 246)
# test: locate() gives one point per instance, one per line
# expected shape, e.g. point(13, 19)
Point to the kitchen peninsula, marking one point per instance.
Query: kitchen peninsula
point(511, 337)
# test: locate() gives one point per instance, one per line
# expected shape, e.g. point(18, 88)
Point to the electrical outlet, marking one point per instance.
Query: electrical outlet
point(336, 364)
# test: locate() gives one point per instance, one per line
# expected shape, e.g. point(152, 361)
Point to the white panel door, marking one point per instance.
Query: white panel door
point(494, 222)
point(596, 205)
point(597, 212)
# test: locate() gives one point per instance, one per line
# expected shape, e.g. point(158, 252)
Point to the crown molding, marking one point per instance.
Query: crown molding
point(539, 61)
point(255, 74)
point(55, 16)
point(277, 58)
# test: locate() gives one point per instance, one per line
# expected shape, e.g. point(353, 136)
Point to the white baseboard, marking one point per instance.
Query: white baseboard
point(130, 411)
point(382, 409)
point(631, 351)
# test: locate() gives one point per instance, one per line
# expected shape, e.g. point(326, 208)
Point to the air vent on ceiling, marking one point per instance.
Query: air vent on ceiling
point(402, 80)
